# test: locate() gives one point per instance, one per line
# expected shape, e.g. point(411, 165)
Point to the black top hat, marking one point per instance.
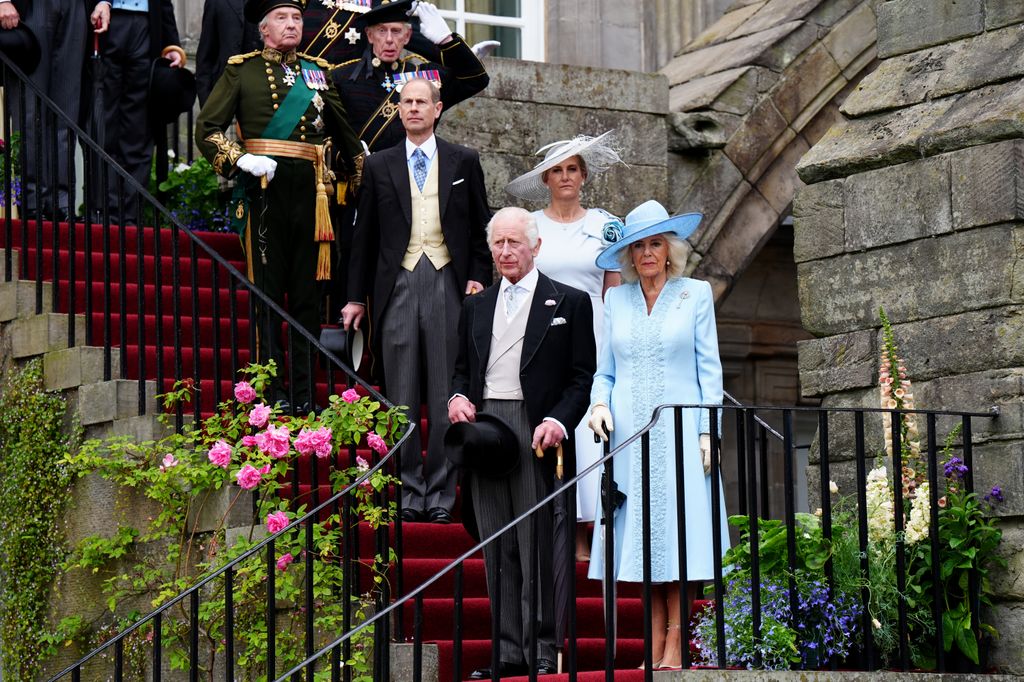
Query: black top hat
point(346, 344)
point(257, 9)
point(19, 44)
point(388, 10)
point(172, 90)
point(488, 446)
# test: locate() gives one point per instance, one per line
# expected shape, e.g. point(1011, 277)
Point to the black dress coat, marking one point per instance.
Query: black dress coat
point(558, 361)
point(225, 33)
point(382, 236)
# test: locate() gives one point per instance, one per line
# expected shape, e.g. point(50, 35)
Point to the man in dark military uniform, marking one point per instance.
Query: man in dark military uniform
point(286, 108)
point(334, 29)
point(370, 86)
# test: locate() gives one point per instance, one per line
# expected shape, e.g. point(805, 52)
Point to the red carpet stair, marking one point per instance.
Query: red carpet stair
point(427, 548)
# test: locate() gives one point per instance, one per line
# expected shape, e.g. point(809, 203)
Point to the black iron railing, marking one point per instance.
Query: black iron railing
point(165, 306)
point(856, 448)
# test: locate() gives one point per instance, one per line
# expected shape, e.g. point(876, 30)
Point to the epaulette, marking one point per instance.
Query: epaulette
point(414, 59)
point(239, 58)
point(322, 63)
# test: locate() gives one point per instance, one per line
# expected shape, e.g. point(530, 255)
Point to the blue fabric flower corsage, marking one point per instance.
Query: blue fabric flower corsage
point(612, 231)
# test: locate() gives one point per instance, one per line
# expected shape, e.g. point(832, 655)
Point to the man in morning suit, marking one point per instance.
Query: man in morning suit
point(370, 85)
point(285, 108)
point(526, 354)
point(419, 247)
point(225, 33)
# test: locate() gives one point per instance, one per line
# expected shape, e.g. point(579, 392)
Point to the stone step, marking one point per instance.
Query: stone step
point(78, 366)
point(147, 427)
point(18, 298)
point(107, 401)
point(38, 334)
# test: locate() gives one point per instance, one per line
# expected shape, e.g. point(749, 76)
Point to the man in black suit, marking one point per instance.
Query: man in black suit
point(60, 27)
point(526, 354)
point(418, 248)
point(225, 33)
point(136, 33)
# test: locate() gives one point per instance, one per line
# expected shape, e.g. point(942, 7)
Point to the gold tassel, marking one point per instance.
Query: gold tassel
point(324, 232)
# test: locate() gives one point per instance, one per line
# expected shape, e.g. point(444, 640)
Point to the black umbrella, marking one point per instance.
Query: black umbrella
point(98, 71)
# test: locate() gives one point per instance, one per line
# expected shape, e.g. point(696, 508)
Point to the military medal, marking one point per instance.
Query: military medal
point(387, 83)
point(315, 79)
point(289, 76)
point(318, 102)
point(352, 35)
point(318, 123)
point(432, 75)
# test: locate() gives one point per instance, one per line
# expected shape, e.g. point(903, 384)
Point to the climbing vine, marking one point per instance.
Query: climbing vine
point(35, 481)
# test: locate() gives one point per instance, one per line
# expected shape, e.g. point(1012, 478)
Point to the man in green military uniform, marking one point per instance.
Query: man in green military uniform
point(286, 111)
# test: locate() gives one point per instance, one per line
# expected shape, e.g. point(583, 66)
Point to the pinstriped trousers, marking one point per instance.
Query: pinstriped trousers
point(495, 503)
point(419, 341)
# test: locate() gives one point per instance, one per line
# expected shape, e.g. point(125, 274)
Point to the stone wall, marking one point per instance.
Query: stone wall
point(915, 202)
point(529, 104)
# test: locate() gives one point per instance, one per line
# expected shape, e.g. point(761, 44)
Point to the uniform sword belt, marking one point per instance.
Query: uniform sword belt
point(319, 155)
point(293, 150)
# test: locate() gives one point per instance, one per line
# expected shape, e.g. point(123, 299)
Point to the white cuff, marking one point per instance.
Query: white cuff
point(457, 395)
point(565, 434)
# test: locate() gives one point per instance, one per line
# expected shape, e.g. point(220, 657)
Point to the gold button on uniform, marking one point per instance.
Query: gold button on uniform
point(272, 86)
point(275, 106)
point(273, 96)
point(302, 137)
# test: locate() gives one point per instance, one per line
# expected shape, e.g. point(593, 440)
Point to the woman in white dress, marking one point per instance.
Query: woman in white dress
point(572, 237)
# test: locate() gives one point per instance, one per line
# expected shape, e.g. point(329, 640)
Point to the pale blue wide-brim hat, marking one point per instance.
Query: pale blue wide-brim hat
point(647, 219)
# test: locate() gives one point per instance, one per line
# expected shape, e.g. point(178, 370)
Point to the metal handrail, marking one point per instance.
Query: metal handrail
point(456, 563)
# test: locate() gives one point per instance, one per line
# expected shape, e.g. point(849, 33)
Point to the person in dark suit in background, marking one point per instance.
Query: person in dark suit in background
point(419, 248)
point(135, 32)
point(60, 27)
point(225, 33)
point(525, 354)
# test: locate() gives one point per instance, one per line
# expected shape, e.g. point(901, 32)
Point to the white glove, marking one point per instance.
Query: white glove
point(432, 25)
point(257, 165)
point(601, 421)
point(366, 149)
point(485, 48)
point(705, 452)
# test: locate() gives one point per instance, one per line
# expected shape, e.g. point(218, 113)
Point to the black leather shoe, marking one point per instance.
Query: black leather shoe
point(440, 515)
point(504, 670)
point(411, 515)
point(546, 667)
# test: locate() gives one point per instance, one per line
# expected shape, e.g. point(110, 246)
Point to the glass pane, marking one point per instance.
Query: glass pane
point(445, 4)
point(510, 38)
point(500, 8)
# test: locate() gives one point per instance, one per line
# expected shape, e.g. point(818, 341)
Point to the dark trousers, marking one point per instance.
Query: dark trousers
point(126, 134)
point(61, 27)
point(419, 340)
point(282, 253)
point(495, 503)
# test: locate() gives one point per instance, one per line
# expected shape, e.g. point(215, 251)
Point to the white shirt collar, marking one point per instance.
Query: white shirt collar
point(528, 282)
point(429, 148)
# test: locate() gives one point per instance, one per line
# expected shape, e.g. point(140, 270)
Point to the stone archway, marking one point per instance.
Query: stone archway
point(748, 98)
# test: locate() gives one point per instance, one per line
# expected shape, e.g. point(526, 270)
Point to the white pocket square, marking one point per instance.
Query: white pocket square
point(460, 180)
point(557, 321)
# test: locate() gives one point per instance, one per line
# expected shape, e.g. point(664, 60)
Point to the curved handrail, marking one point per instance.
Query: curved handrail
point(655, 417)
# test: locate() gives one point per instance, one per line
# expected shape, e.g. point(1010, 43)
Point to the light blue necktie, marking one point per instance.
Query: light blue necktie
point(513, 297)
point(419, 167)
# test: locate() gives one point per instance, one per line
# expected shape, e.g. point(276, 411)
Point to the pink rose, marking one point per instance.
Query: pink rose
point(274, 441)
point(276, 521)
point(265, 469)
point(283, 562)
point(377, 443)
point(244, 393)
point(169, 462)
point(310, 442)
point(220, 454)
point(249, 441)
point(350, 396)
point(362, 463)
point(248, 477)
point(259, 415)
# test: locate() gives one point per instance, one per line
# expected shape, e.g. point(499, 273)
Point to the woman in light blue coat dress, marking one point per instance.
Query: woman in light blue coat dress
point(659, 346)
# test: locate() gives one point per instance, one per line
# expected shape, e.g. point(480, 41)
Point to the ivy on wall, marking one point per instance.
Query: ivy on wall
point(35, 483)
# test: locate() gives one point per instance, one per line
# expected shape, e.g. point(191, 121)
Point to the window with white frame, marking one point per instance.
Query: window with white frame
point(516, 24)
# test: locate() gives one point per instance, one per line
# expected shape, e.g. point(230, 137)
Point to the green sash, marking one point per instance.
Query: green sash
point(292, 108)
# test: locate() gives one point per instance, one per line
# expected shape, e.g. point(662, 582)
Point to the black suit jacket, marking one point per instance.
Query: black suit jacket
point(383, 221)
point(557, 367)
point(225, 33)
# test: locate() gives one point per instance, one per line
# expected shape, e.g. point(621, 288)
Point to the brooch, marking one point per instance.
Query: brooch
point(612, 231)
point(550, 302)
point(683, 295)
